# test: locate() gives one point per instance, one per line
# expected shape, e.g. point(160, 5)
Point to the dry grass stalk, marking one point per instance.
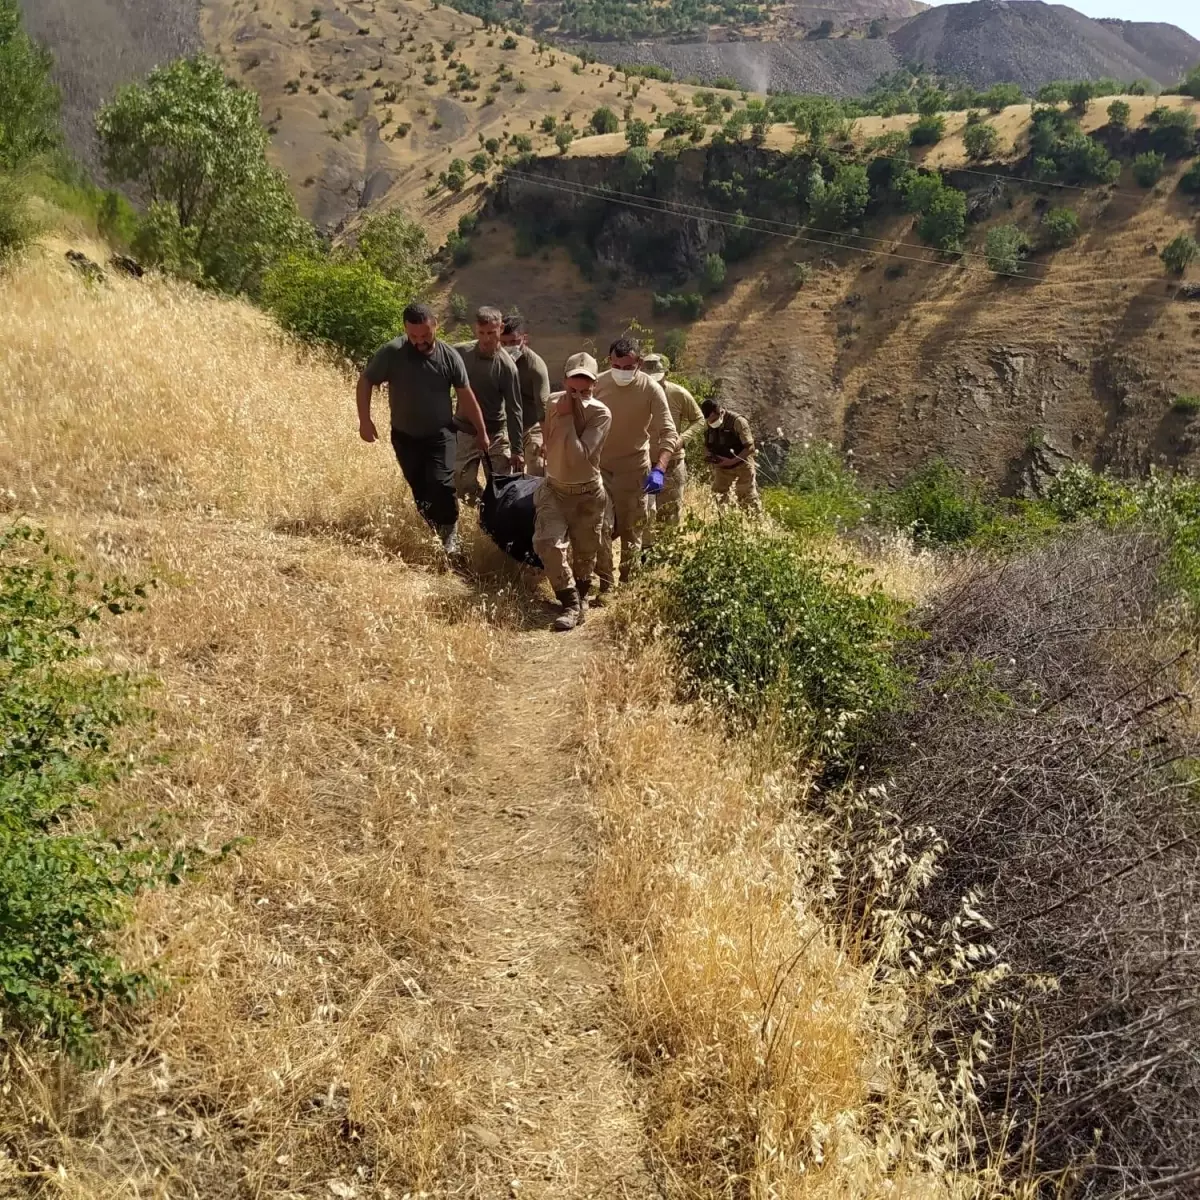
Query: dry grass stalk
point(773, 1061)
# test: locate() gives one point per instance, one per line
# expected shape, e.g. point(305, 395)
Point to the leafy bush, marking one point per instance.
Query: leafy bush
point(1079, 96)
point(927, 130)
point(938, 504)
point(776, 635)
point(563, 138)
point(460, 307)
point(64, 894)
point(1061, 149)
point(1191, 83)
point(1060, 227)
point(1187, 404)
point(637, 133)
point(398, 249)
point(1172, 132)
point(1005, 248)
point(1001, 95)
point(604, 120)
point(816, 493)
point(981, 141)
point(193, 142)
point(1118, 114)
point(943, 219)
point(1189, 181)
point(16, 227)
point(841, 202)
point(549, 123)
point(348, 305)
point(522, 143)
point(635, 166)
point(687, 305)
point(1179, 253)
point(674, 345)
point(713, 276)
point(1148, 168)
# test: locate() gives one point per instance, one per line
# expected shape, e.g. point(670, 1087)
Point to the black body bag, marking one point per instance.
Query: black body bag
point(507, 514)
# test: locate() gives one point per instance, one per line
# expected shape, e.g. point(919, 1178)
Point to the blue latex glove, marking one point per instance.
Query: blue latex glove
point(655, 482)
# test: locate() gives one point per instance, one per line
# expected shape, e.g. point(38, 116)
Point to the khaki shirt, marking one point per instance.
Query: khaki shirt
point(535, 387)
point(685, 412)
point(573, 453)
point(641, 422)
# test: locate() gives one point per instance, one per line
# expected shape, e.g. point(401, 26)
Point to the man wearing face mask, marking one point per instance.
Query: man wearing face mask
point(642, 433)
point(570, 500)
point(685, 412)
point(493, 377)
point(729, 448)
point(420, 371)
point(535, 389)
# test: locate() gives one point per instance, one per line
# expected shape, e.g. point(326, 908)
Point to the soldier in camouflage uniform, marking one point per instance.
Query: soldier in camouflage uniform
point(729, 450)
point(685, 412)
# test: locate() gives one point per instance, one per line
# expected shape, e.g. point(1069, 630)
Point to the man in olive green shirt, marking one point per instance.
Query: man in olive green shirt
point(689, 420)
point(535, 390)
point(494, 380)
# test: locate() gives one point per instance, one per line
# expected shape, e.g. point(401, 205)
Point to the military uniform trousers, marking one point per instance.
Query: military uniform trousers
point(625, 518)
point(569, 519)
point(532, 449)
point(668, 507)
point(467, 457)
point(742, 480)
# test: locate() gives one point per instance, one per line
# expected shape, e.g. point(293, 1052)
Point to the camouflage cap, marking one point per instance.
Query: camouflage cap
point(656, 366)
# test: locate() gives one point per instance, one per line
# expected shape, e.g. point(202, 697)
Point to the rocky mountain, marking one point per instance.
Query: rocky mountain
point(984, 42)
point(1031, 43)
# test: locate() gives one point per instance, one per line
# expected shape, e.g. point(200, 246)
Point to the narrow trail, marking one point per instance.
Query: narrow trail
point(552, 1115)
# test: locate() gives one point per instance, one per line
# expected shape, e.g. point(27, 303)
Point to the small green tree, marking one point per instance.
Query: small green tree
point(637, 133)
point(1079, 96)
point(1191, 83)
point(981, 141)
point(29, 101)
point(522, 143)
point(1060, 227)
point(563, 138)
point(604, 120)
point(1118, 114)
point(454, 177)
point(398, 249)
point(1148, 168)
point(927, 130)
point(1172, 132)
point(1189, 181)
point(1005, 248)
point(194, 143)
point(549, 123)
point(1179, 253)
point(479, 164)
point(712, 278)
point(944, 219)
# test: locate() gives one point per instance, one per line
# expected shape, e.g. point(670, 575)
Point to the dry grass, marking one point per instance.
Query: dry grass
point(775, 1063)
point(313, 699)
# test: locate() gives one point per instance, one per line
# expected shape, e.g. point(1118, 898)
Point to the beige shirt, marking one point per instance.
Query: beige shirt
point(685, 412)
point(573, 448)
point(641, 422)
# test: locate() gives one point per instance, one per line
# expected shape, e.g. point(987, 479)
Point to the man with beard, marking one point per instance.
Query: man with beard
point(420, 371)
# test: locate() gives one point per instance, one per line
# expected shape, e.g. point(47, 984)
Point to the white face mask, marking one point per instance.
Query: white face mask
point(623, 378)
point(715, 422)
point(515, 352)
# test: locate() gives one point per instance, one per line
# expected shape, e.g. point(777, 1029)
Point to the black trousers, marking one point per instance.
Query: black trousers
point(428, 466)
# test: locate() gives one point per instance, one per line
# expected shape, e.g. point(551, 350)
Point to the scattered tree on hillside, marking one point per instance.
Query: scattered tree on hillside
point(1191, 83)
point(29, 108)
point(713, 277)
point(1079, 96)
point(1148, 168)
point(604, 120)
point(1172, 132)
point(563, 138)
point(981, 141)
point(637, 133)
point(1060, 227)
point(1118, 115)
point(194, 145)
point(398, 249)
point(927, 130)
point(1189, 182)
point(1180, 253)
point(1005, 248)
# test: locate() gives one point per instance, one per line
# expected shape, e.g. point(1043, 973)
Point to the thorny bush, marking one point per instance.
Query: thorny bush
point(1050, 741)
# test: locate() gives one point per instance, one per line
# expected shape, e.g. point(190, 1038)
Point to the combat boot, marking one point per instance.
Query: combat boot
point(604, 592)
point(449, 539)
point(582, 587)
point(569, 599)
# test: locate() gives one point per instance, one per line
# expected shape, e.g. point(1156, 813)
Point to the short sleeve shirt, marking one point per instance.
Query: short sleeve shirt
point(419, 385)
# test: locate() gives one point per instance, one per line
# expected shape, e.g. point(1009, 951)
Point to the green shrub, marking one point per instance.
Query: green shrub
point(1148, 168)
point(549, 123)
point(775, 635)
point(1118, 114)
point(1179, 253)
point(29, 101)
point(938, 504)
point(398, 249)
point(713, 276)
point(16, 227)
point(943, 219)
point(1005, 248)
point(348, 305)
point(674, 345)
point(927, 130)
point(1060, 227)
point(460, 306)
point(509, 43)
point(522, 143)
point(604, 120)
point(1079, 96)
point(637, 133)
point(1172, 132)
point(1189, 181)
point(1191, 83)
point(981, 141)
point(1188, 404)
point(64, 893)
point(563, 138)
point(817, 493)
point(842, 201)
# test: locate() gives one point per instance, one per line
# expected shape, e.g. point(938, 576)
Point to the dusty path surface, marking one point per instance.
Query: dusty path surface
point(552, 1113)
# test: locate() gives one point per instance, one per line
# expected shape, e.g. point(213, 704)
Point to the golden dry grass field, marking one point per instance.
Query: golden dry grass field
point(507, 921)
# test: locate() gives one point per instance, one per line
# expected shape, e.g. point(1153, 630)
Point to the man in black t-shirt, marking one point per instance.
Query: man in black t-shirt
point(420, 371)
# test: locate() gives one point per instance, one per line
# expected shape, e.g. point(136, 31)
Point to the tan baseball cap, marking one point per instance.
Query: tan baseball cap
point(581, 364)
